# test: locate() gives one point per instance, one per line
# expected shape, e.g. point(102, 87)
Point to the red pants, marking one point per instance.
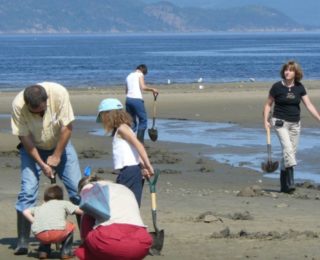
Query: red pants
point(55, 236)
point(113, 242)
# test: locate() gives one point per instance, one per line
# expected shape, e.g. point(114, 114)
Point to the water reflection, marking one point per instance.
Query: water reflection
point(239, 146)
point(234, 145)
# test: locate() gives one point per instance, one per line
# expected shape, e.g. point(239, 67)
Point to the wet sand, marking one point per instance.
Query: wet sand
point(208, 210)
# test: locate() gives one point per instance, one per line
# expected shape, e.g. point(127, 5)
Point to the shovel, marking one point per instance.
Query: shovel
point(53, 180)
point(269, 166)
point(153, 132)
point(157, 235)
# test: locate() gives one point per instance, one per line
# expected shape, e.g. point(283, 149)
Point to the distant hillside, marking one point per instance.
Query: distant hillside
point(102, 16)
point(304, 12)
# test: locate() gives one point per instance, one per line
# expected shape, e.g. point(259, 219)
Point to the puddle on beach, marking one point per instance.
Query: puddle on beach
point(239, 146)
point(234, 145)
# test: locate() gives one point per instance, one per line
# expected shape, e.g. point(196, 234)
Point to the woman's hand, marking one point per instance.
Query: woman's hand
point(267, 124)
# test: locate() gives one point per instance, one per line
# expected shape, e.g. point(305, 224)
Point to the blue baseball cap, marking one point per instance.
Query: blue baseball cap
point(108, 104)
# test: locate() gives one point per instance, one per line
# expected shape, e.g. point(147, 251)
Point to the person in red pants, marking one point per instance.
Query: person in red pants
point(116, 233)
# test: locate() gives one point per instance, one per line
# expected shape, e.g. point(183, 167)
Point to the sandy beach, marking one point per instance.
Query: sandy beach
point(207, 209)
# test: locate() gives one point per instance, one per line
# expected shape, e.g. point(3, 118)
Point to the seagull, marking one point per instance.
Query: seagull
point(200, 80)
point(169, 81)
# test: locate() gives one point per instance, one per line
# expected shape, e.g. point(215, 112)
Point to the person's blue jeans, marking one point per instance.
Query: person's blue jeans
point(131, 177)
point(135, 107)
point(68, 171)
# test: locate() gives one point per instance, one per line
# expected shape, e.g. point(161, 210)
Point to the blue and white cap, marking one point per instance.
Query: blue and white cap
point(108, 104)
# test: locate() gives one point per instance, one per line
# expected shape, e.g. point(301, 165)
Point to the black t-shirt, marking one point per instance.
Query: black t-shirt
point(287, 101)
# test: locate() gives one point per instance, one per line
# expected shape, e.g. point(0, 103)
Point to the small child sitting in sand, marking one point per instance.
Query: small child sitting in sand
point(49, 223)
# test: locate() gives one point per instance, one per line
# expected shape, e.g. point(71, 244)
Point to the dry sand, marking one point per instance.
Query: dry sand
point(208, 210)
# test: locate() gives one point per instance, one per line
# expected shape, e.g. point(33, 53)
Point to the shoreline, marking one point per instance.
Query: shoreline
point(173, 85)
point(213, 103)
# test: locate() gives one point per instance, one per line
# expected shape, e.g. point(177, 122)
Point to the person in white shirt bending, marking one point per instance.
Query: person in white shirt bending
point(117, 233)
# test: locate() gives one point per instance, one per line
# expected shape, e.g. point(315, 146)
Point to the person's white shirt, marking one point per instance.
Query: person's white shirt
point(133, 85)
point(124, 153)
point(120, 202)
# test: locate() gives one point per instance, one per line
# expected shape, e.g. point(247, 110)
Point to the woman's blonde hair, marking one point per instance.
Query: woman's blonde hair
point(114, 118)
point(294, 66)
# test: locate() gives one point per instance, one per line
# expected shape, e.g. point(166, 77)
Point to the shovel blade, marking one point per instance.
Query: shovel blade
point(153, 134)
point(157, 244)
point(269, 166)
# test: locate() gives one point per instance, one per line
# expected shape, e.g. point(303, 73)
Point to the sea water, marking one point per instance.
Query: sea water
point(86, 61)
point(104, 60)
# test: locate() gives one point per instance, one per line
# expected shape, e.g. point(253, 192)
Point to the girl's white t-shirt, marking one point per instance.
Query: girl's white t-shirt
point(124, 154)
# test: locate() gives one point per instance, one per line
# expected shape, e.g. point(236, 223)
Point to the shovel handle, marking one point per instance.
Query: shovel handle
point(154, 220)
point(154, 107)
point(53, 180)
point(268, 136)
point(155, 95)
point(153, 122)
point(153, 201)
point(153, 181)
point(268, 144)
point(154, 113)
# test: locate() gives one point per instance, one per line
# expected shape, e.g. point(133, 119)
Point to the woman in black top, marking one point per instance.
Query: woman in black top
point(286, 96)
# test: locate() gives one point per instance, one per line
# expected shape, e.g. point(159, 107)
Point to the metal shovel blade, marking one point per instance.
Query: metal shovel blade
point(153, 134)
point(157, 244)
point(269, 166)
